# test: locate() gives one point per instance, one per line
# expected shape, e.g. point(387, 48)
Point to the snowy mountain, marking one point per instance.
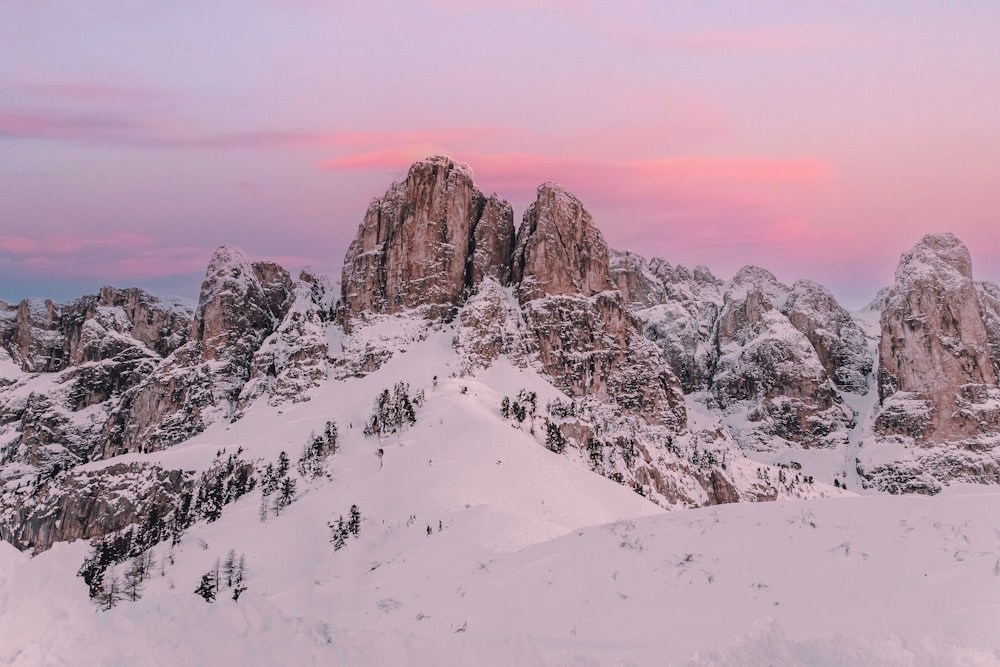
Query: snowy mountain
point(502, 447)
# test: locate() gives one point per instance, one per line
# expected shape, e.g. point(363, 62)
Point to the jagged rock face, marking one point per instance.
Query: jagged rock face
point(586, 340)
point(934, 340)
point(418, 247)
point(62, 422)
point(593, 346)
point(989, 305)
point(637, 283)
point(684, 325)
point(938, 417)
point(161, 326)
point(771, 365)
point(296, 356)
point(492, 324)
point(771, 357)
point(82, 505)
point(493, 243)
point(33, 337)
point(834, 334)
point(559, 251)
point(240, 305)
point(43, 336)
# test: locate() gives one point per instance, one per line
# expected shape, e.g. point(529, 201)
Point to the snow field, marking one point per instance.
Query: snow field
point(531, 559)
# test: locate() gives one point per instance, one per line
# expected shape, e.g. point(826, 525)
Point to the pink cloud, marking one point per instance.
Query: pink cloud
point(114, 257)
point(67, 244)
point(517, 171)
point(91, 92)
point(388, 158)
point(59, 125)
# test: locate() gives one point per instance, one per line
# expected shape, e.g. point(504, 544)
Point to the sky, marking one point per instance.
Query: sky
point(819, 140)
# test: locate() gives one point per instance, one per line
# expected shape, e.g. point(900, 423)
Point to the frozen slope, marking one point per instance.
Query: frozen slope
point(531, 559)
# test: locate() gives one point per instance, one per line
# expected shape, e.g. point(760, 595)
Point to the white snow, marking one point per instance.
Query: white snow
point(532, 559)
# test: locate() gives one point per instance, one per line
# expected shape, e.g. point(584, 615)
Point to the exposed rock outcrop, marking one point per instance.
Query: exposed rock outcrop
point(639, 286)
point(587, 340)
point(559, 250)
point(989, 306)
point(42, 336)
point(934, 340)
point(771, 357)
point(418, 245)
point(834, 334)
point(241, 303)
point(684, 325)
point(772, 370)
point(82, 505)
point(296, 356)
point(492, 324)
point(939, 403)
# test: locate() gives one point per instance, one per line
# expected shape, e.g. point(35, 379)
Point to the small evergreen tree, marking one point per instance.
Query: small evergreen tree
point(109, 591)
point(354, 521)
point(229, 568)
point(207, 587)
point(554, 438)
point(338, 534)
point(262, 510)
point(287, 491)
point(133, 585)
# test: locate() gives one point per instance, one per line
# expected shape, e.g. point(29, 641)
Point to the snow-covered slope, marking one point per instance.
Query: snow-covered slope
point(480, 546)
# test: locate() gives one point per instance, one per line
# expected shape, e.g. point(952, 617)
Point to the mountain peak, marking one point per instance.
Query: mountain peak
point(445, 163)
point(938, 254)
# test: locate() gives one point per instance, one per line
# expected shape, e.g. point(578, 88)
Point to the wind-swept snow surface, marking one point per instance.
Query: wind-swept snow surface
point(477, 545)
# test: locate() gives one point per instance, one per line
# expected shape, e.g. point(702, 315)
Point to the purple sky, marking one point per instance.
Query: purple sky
point(817, 139)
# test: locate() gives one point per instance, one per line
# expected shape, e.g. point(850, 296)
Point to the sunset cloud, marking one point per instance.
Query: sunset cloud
point(64, 125)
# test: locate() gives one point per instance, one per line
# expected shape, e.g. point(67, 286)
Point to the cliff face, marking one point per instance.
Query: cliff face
point(937, 375)
point(587, 340)
point(418, 245)
point(559, 250)
point(124, 371)
point(240, 305)
point(933, 335)
point(773, 359)
point(45, 337)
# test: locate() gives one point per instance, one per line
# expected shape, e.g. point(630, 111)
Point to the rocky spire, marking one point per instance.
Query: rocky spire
point(240, 303)
point(426, 244)
point(933, 337)
point(559, 250)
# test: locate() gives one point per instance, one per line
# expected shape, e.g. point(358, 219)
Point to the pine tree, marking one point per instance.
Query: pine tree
point(554, 438)
point(207, 587)
point(262, 510)
point(354, 521)
point(330, 433)
point(287, 491)
point(109, 591)
point(133, 581)
point(338, 534)
point(229, 568)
